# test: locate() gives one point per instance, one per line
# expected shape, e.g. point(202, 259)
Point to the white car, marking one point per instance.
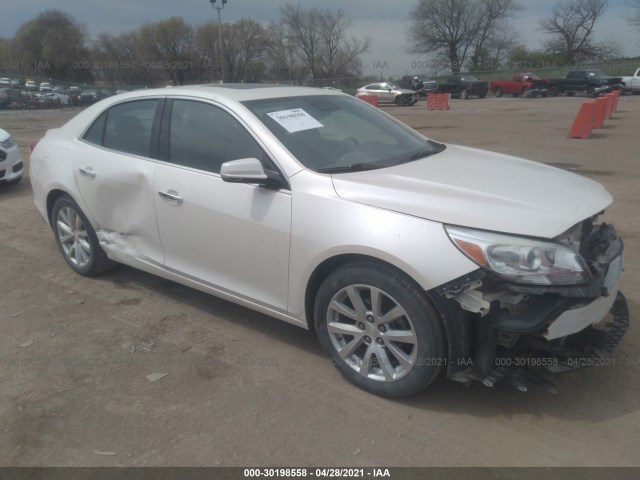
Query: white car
point(632, 83)
point(408, 257)
point(11, 166)
point(387, 92)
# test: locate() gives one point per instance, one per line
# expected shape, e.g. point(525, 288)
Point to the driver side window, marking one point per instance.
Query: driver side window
point(204, 137)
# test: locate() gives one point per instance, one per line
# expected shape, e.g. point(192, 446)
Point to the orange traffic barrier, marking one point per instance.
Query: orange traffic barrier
point(438, 101)
point(609, 111)
point(598, 115)
point(370, 99)
point(581, 127)
point(615, 100)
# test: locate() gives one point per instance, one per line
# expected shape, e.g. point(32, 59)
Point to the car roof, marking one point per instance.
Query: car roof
point(236, 92)
point(226, 94)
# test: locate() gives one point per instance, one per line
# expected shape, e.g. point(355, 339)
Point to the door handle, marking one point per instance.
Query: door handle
point(171, 196)
point(87, 172)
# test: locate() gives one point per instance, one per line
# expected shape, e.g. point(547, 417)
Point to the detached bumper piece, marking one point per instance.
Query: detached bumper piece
point(594, 346)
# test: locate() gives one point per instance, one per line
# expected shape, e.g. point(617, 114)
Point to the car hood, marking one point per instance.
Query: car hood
point(479, 189)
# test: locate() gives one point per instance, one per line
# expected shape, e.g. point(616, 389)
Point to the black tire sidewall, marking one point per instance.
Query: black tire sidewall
point(406, 292)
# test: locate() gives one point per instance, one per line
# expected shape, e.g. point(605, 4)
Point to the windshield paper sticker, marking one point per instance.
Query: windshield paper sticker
point(295, 120)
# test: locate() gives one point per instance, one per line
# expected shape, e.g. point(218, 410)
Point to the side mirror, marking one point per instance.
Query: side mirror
point(245, 170)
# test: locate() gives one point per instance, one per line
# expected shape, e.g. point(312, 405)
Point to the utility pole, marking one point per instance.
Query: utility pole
point(219, 7)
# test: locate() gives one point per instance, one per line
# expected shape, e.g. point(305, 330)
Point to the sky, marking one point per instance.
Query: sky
point(383, 21)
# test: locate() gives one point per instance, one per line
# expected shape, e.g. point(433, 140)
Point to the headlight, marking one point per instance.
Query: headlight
point(521, 259)
point(8, 143)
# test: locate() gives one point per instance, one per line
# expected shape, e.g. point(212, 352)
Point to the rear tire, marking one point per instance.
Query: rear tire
point(464, 94)
point(77, 240)
point(378, 328)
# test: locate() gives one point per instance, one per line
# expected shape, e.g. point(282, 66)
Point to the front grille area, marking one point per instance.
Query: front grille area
point(3, 155)
point(2, 172)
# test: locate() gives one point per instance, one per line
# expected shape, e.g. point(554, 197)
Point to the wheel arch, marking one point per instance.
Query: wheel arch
point(456, 328)
point(325, 268)
point(52, 196)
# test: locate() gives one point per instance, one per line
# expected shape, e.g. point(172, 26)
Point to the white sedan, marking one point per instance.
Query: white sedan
point(11, 166)
point(387, 92)
point(406, 256)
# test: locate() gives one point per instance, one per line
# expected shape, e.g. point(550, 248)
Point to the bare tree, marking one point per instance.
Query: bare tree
point(117, 59)
point(446, 28)
point(279, 52)
point(52, 44)
point(168, 47)
point(493, 37)
point(243, 46)
point(462, 33)
point(496, 49)
point(571, 26)
point(319, 40)
point(634, 20)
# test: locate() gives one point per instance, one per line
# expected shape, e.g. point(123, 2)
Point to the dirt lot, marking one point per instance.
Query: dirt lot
point(244, 389)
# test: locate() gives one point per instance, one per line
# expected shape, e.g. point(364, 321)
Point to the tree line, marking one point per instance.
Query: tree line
point(309, 45)
point(303, 46)
point(476, 35)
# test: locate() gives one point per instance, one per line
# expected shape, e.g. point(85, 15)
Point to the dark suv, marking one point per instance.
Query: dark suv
point(464, 86)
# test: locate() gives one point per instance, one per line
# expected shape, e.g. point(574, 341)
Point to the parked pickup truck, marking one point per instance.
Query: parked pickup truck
point(525, 84)
point(593, 82)
point(464, 86)
point(632, 84)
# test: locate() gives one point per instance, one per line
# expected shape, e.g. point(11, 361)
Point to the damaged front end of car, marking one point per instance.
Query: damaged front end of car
point(534, 305)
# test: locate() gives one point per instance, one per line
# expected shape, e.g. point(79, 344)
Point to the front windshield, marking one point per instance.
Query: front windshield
point(338, 133)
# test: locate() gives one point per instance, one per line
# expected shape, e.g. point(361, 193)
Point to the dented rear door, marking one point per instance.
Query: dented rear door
point(115, 179)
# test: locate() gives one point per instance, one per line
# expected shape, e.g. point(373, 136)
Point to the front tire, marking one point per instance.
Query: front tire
point(464, 94)
point(402, 101)
point(497, 92)
point(378, 328)
point(77, 240)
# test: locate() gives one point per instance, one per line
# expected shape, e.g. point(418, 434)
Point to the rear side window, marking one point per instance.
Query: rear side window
point(128, 127)
point(95, 134)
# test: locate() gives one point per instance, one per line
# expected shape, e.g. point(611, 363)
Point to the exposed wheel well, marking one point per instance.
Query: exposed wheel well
point(323, 270)
point(51, 199)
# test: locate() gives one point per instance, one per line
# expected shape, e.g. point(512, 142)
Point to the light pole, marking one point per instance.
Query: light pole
point(219, 7)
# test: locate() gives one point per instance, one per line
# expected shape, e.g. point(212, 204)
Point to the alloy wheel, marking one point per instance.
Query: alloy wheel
point(73, 236)
point(372, 333)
